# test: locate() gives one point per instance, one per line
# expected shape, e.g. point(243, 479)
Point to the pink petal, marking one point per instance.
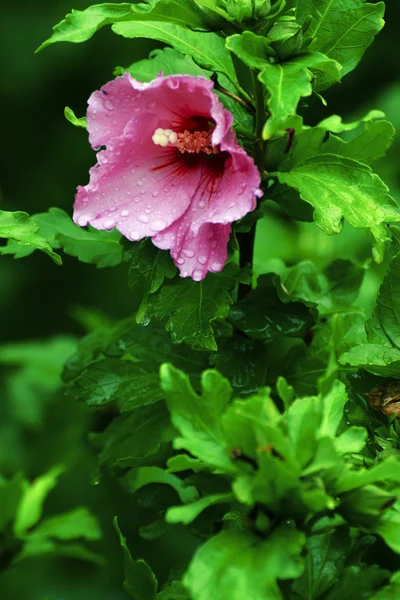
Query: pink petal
point(174, 99)
point(136, 186)
point(184, 202)
point(195, 253)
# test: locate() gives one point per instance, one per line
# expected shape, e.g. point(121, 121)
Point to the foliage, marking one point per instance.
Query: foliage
point(236, 437)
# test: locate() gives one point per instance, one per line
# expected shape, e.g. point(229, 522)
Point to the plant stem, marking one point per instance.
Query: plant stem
point(246, 240)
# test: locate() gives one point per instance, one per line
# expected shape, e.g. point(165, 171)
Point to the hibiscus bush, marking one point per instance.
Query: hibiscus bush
point(230, 430)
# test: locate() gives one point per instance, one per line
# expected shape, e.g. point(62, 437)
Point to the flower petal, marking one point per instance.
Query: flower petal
point(136, 186)
point(195, 253)
point(175, 100)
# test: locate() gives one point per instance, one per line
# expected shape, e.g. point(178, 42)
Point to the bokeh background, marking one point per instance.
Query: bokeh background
point(44, 158)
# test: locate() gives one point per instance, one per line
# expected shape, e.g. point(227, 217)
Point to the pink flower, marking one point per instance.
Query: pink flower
point(171, 169)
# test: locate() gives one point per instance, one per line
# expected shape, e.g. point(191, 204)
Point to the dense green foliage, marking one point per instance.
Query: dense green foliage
point(234, 438)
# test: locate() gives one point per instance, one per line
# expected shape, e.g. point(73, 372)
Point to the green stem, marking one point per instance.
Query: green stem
point(260, 120)
point(246, 240)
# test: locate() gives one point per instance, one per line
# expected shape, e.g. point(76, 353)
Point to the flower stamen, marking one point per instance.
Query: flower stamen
point(192, 142)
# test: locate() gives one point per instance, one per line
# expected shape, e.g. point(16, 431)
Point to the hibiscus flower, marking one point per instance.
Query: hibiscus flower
point(169, 168)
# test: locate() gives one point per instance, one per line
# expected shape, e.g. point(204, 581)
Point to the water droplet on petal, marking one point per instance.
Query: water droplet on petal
point(158, 225)
point(134, 235)
point(154, 194)
point(139, 183)
point(216, 266)
point(188, 253)
point(124, 213)
point(180, 260)
point(198, 275)
point(109, 105)
point(202, 259)
point(143, 218)
point(214, 244)
point(242, 187)
point(202, 204)
point(108, 223)
point(82, 220)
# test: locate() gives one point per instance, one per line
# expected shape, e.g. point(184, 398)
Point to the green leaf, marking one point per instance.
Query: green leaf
point(262, 315)
point(287, 83)
point(79, 523)
point(140, 582)
point(22, 230)
point(392, 591)
point(303, 418)
point(148, 268)
point(192, 306)
point(187, 514)
point(323, 565)
point(197, 418)
point(135, 479)
point(130, 384)
point(341, 188)
point(135, 438)
point(206, 49)
point(99, 247)
point(341, 29)
point(331, 290)
point(10, 495)
point(244, 362)
point(81, 25)
point(173, 591)
point(372, 143)
point(72, 118)
point(31, 505)
point(358, 582)
point(381, 355)
point(129, 373)
point(167, 60)
point(254, 50)
point(235, 565)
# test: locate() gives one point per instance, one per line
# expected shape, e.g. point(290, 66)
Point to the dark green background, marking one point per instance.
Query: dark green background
point(44, 158)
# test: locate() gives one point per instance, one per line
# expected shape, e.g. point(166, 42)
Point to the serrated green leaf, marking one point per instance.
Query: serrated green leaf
point(80, 25)
point(99, 247)
point(206, 49)
point(324, 563)
point(192, 306)
point(254, 50)
point(140, 582)
point(341, 188)
point(197, 418)
point(332, 290)
point(130, 384)
point(287, 83)
point(262, 315)
point(22, 232)
point(244, 362)
point(341, 29)
point(358, 581)
point(235, 565)
point(168, 61)
point(148, 267)
point(135, 438)
point(381, 355)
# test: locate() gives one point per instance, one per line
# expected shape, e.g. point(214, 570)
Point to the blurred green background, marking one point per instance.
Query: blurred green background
point(44, 158)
